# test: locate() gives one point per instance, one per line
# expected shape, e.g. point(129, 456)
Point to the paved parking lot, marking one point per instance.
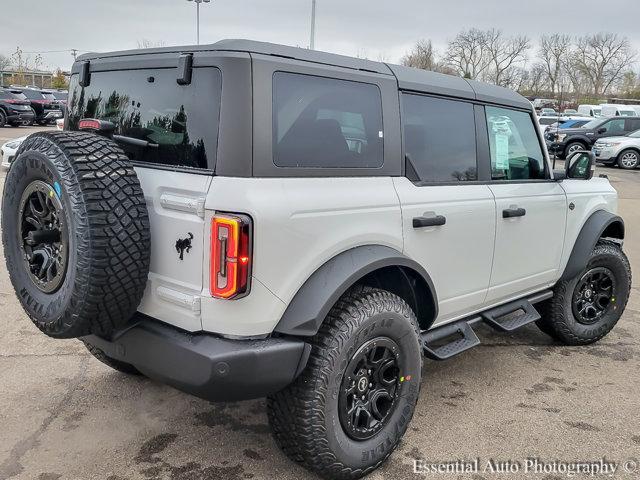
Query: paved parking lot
point(63, 415)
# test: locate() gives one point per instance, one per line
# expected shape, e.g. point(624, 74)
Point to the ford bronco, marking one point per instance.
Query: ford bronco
point(246, 220)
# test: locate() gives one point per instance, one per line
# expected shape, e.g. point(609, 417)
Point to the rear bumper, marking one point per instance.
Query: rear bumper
point(204, 365)
point(20, 117)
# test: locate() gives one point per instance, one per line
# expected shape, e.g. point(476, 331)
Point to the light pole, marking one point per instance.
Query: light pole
point(312, 42)
point(198, 2)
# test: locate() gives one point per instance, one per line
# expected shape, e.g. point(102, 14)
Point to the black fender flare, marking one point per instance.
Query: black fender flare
point(311, 304)
point(600, 223)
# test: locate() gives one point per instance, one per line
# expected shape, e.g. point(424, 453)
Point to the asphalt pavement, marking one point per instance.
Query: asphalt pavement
point(64, 415)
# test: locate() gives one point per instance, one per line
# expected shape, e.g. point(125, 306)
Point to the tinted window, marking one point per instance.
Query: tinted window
point(515, 148)
point(33, 94)
point(181, 121)
point(632, 124)
point(326, 123)
point(439, 139)
point(5, 95)
point(547, 121)
point(614, 126)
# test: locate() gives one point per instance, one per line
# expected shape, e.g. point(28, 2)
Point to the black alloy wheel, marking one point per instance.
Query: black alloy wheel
point(594, 293)
point(370, 388)
point(43, 236)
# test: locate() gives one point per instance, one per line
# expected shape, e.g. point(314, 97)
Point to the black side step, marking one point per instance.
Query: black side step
point(465, 338)
point(494, 317)
point(451, 339)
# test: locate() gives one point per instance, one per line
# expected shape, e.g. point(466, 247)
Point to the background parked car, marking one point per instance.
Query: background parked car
point(623, 151)
point(545, 112)
point(615, 110)
point(14, 110)
point(8, 152)
point(44, 105)
point(568, 122)
point(590, 110)
point(566, 141)
point(570, 111)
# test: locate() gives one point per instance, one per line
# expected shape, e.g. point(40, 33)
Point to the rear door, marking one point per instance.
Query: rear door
point(178, 126)
point(448, 214)
point(531, 208)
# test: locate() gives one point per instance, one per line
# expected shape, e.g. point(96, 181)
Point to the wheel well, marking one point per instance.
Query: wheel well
point(634, 149)
point(408, 285)
point(614, 230)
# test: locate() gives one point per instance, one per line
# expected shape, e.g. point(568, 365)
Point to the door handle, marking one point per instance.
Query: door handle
point(435, 221)
point(513, 212)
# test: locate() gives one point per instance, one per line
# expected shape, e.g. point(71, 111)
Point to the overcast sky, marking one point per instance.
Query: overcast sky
point(371, 28)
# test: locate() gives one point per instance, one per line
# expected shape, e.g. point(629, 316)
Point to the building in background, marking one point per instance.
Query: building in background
point(39, 78)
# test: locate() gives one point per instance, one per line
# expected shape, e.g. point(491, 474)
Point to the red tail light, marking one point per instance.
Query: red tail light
point(230, 256)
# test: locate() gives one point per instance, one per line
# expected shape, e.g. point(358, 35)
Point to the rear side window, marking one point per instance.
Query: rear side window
point(326, 123)
point(516, 153)
point(33, 94)
point(179, 122)
point(439, 139)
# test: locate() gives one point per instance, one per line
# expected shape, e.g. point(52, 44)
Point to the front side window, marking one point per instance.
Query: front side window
point(614, 126)
point(439, 139)
point(516, 153)
point(326, 123)
point(180, 123)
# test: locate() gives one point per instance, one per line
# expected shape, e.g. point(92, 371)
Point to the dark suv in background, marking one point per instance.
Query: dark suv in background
point(15, 110)
point(46, 108)
point(564, 142)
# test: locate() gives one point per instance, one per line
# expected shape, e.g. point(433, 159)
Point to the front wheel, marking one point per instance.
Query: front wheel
point(585, 309)
point(629, 159)
point(351, 406)
point(572, 148)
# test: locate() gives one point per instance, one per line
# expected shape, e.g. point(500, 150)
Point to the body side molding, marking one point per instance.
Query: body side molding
point(311, 304)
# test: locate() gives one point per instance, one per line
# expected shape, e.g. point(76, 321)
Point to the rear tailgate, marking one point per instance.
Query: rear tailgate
point(175, 201)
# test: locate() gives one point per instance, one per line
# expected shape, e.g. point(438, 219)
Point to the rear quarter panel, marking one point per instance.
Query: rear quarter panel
point(299, 224)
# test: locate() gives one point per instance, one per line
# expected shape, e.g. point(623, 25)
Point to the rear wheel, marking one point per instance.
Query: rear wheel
point(349, 409)
point(3, 119)
point(629, 159)
point(585, 309)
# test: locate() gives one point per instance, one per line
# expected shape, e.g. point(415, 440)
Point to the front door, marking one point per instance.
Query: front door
point(531, 208)
point(448, 216)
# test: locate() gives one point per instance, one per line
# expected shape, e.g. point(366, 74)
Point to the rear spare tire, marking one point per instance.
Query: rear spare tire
point(75, 231)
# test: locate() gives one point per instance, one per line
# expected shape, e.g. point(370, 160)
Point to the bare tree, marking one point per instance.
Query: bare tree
point(506, 55)
point(5, 62)
point(146, 43)
point(467, 53)
point(422, 56)
point(603, 59)
point(553, 53)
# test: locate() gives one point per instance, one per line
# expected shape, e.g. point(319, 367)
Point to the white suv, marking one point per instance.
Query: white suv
point(243, 219)
point(623, 151)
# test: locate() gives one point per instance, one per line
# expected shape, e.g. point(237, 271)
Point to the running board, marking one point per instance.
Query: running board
point(495, 317)
point(449, 340)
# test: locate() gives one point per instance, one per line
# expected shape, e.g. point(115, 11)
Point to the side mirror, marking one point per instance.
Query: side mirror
point(602, 130)
point(580, 165)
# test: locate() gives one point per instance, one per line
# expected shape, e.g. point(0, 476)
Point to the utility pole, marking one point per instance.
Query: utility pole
point(74, 53)
point(198, 2)
point(312, 42)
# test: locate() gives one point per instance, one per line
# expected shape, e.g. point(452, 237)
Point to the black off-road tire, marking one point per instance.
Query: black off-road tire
point(558, 319)
point(3, 118)
point(304, 417)
point(111, 362)
point(104, 212)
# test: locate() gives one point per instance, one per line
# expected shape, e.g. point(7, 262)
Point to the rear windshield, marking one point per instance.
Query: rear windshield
point(179, 122)
point(48, 96)
point(33, 94)
point(60, 95)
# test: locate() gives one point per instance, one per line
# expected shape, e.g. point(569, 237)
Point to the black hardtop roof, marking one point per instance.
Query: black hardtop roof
point(408, 78)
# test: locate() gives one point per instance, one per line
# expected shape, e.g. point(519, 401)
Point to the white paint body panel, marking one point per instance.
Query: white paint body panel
point(528, 249)
point(456, 255)
point(299, 224)
point(174, 286)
